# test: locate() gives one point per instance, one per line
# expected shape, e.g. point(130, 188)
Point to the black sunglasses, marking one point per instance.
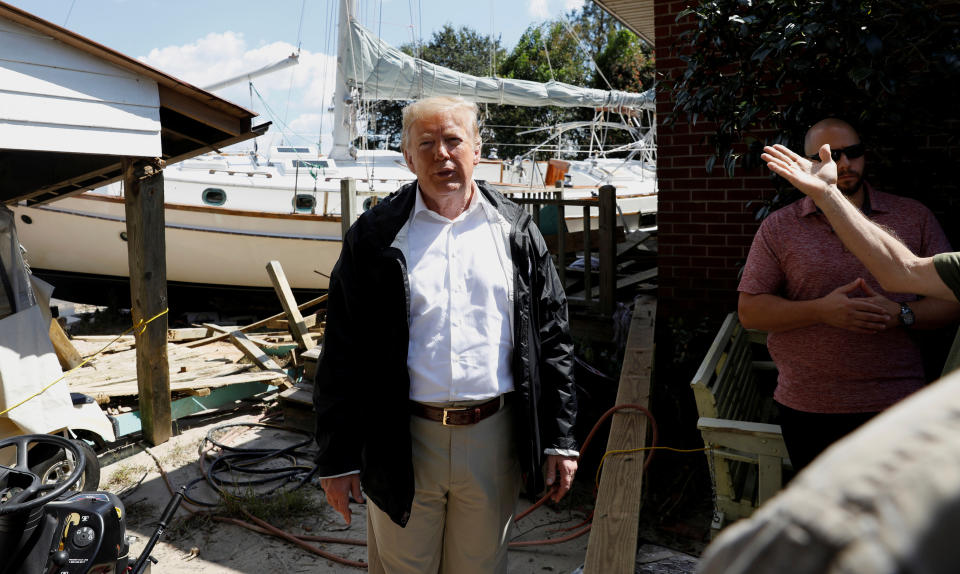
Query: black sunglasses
point(852, 152)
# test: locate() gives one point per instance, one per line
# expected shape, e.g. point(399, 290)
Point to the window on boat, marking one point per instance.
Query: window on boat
point(214, 196)
point(322, 164)
point(303, 202)
point(293, 150)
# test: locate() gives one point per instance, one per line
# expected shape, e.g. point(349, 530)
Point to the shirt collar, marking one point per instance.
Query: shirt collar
point(873, 202)
point(420, 206)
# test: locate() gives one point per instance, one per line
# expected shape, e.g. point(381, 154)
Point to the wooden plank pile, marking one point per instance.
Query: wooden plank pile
point(210, 356)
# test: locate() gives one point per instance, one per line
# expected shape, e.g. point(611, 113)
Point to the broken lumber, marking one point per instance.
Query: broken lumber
point(256, 354)
point(298, 328)
point(258, 324)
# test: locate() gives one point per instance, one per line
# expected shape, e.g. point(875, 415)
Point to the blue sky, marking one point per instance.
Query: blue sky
point(203, 41)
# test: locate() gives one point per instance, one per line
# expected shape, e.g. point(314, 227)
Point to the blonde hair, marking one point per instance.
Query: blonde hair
point(436, 105)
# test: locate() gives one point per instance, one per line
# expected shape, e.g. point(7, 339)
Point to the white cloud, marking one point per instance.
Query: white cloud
point(538, 9)
point(572, 5)
point(294, 98)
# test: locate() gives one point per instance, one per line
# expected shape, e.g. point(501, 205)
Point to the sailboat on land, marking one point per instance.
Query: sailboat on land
point(227, 215)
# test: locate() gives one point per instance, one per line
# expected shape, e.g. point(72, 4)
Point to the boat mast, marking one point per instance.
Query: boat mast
point(342, 121)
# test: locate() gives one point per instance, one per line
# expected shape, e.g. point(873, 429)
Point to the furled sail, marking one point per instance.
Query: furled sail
point(383, 72)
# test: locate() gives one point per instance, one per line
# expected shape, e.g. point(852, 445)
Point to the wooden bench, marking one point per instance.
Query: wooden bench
point(733, 391)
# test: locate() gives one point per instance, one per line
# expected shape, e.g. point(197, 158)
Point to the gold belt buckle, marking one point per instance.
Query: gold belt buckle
point(446, 411)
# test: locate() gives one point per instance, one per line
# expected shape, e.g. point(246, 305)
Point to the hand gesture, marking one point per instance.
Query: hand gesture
point(858, 314)
point(890, 308)
point(338, 491)
point(566, 467)
point(812, 178)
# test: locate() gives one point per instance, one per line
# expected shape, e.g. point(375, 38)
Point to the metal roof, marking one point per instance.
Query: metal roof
point(637, 15)
point(193, 121)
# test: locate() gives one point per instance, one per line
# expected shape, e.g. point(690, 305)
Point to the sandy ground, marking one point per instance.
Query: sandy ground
point(197, 544)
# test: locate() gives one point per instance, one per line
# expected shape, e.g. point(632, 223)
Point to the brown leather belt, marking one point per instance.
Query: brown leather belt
point(459, 416)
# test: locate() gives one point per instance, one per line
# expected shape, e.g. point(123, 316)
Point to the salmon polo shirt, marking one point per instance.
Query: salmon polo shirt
point(824, 369)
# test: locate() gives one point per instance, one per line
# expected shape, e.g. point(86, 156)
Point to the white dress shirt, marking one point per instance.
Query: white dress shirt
point(461, 303)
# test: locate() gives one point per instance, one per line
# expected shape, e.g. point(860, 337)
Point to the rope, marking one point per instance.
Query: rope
point(138, 325)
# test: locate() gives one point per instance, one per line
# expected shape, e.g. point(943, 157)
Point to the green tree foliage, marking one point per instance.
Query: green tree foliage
point(892, 67)
point(587, 47)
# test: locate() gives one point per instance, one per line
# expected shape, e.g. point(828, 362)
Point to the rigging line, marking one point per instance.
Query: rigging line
point(330, 33)
point(546, 51)
point(70, 11)
point(303, 7)
point(376, 81)
point(273, 114)
point(580, 43)
point(413, 30)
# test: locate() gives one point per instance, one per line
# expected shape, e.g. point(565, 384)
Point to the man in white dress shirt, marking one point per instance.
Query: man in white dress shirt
point(446, 378)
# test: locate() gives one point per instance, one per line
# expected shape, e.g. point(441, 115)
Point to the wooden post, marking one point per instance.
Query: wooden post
point(612, 547)
point(348, 203)
point(608, 248)
point(146, 251)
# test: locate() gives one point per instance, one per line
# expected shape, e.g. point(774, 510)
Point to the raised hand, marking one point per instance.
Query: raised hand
point(812, 178)
point(858, 314)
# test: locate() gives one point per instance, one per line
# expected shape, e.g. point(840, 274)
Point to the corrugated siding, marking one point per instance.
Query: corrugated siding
point(635, 14)
point(56, 98)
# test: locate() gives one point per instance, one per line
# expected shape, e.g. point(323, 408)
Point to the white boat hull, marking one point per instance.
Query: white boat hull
point(208, 247)
point(229, 246)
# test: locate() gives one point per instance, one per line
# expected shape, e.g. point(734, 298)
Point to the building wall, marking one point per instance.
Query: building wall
point(705, 226)
point(58, 98)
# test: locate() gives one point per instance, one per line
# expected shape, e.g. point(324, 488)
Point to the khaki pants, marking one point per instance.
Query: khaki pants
point(467, 483)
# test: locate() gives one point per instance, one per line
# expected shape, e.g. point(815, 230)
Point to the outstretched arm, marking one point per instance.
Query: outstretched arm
point(890, 261)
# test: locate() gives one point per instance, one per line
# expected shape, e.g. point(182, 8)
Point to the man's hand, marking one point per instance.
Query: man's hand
point(338, 491)
point(890, 308)
point(566, 466)
point(812, 178)
point(859, 314)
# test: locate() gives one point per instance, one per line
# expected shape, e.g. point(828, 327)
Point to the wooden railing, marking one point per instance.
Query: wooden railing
point(606, 205)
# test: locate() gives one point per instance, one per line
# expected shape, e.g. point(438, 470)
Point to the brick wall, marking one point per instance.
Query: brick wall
point(705, 226)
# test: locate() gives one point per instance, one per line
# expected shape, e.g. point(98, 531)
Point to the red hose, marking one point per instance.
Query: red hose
point(586, 443)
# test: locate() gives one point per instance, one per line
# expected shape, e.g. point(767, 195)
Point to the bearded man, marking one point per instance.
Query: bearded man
point(842, 344)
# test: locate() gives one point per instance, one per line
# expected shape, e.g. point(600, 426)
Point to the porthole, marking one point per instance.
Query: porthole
point(304, 203)
point(123, 235)
point(26, 219)
point(214, 196)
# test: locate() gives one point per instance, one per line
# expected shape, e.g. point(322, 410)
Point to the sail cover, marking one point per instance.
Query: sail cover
point(383, 72)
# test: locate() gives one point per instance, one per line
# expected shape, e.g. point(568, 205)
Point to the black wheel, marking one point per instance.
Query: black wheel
point(53, 467)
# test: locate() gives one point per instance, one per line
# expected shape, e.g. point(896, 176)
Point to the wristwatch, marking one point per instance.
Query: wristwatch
point(906, 315)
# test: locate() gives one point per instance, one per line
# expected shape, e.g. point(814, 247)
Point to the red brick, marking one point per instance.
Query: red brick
point(689, 250)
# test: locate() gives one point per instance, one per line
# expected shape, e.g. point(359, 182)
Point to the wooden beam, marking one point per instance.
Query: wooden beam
point(284, 325)
point(612, 547)
point(608, 247)
point(299, 329)
point(258, 324)
point(201, 111)
point(146, 252)
point(255, 354)
point(67, 354)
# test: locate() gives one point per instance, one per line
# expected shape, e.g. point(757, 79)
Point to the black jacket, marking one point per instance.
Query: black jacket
point(362, 388)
